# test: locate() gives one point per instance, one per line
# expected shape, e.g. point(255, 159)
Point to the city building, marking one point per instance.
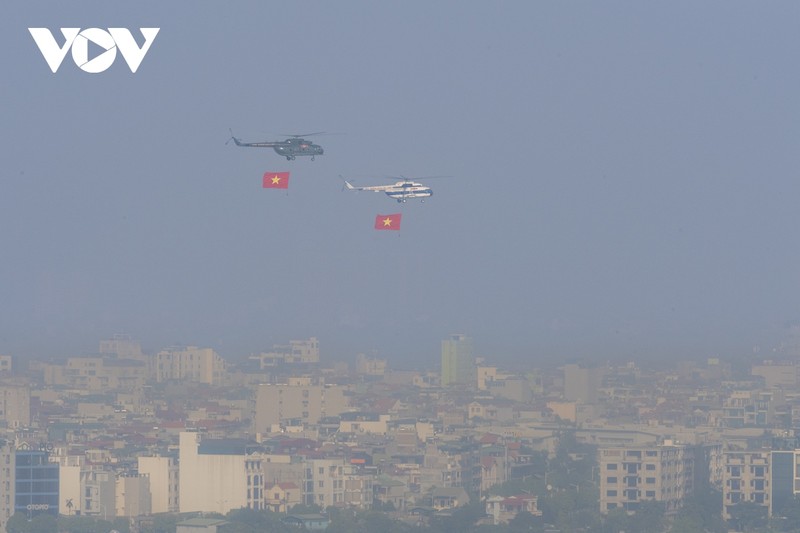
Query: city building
point(7, 485)
point(133, 495)
point(69, 481)
point(36, 482)
point(212, 475)
point(504, 509)
point(784, 484)
point(283, 496)
point(123, 347)
point(297, 352)
point(97, 374)
point(630, 475)
point(301, 399)
point(200, 525)
point(163, 474)
point(746, 478)
point(458, 362)
point(582, 384)
point(98, 492)
point(15, 406)
point(369, 366)
point(190, 363)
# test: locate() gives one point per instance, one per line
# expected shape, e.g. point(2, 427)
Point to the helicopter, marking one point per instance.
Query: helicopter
point(290, 148)
point(400, 191)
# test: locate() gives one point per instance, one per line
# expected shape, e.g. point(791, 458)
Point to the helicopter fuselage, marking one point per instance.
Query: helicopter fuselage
point(292, 148)
point(400, 191)
point(406, 191)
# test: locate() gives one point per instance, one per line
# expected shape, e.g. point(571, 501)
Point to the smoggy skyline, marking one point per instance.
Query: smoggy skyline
point(624, 179)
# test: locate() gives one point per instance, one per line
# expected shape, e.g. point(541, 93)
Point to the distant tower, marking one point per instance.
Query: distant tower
point(458, 362)
point(582, 384)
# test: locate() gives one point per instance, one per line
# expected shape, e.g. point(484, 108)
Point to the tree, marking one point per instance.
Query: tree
point(343, 521)
point(650, 517)
point(748, 516)
point(302, 508)
point(524, 522)
point(162, 523)
point(463, 518)
point(702, 511)
point(18, 523)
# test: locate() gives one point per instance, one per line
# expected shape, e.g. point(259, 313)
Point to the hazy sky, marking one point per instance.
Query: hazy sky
point(625, 178)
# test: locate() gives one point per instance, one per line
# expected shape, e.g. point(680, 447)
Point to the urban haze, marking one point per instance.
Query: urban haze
point(611, 244)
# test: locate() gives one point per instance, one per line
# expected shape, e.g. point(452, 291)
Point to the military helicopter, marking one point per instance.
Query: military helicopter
point(290, 148)
point(400, 191)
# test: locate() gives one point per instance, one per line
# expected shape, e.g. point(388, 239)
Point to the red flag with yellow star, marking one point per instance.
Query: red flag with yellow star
point(276, 180)
point(388, 221)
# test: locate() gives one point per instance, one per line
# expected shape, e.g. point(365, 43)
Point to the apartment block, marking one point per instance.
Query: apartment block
point(746, 478)
point(15, 405)
point(163, 474)
point(190, 363)
point(297, 352)
point(630, 475)
point(302, 400)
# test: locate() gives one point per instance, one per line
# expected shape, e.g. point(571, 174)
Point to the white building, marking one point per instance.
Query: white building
point(163, 474)
point(15, 405)
point(300, 399)
point(133, 495)
point(190, 363)
point(7, 476)
point(297, 352)
point(630, 475)
point(212, 477)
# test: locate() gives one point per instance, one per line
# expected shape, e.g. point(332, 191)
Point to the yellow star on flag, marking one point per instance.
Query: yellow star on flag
point(276, 180)
point(387, 222)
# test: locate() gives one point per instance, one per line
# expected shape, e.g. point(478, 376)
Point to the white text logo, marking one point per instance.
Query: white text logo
point(78, 41)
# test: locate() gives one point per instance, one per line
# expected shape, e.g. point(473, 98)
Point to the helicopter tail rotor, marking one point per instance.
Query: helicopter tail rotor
point(233, 138)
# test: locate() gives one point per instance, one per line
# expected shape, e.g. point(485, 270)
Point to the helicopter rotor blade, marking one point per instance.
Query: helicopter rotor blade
point(302, 134)
point(403, 178)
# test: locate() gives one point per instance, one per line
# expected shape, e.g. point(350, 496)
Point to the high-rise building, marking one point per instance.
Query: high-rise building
point(458, 361)
point(746, 478)
point(133, 495)
point(7, 467)
point(163, 473)
point(36, 485)
point(190, 363)
point(582, 384)
point(211, 474)
point(301, 399)
point(630, 475)
point(123, 347)
point(785, 470)
point(98, 492)
point(297, 352)
point(15, 405)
